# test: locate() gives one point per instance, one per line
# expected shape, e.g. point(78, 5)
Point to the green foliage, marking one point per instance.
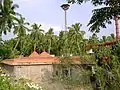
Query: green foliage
point(7, 15)
point(72, 75)
point(67, 43)
point(36, 34)
point(76, 39)
point(107, 70)
point(37, 40)
point(103, 15)
point(9, 83)
point(77, 1)
point(87, 59)
point(97, 2)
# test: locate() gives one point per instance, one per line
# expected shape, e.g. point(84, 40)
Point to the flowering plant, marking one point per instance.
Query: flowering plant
point(7, 83)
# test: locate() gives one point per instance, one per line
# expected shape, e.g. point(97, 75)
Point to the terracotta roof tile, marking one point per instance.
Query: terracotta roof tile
point(45, 54)
point(31, 60)
point(34, 54)
point(44, 57)
point(35, 58)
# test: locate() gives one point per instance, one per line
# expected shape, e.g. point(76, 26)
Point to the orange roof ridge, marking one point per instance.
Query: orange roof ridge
point(34, 54)
point(45, 54)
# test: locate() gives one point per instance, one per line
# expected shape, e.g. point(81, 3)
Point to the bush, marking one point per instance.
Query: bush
point(7, 83)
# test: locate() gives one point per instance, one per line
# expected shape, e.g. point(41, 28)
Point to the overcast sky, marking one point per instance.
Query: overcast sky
point(49, 14)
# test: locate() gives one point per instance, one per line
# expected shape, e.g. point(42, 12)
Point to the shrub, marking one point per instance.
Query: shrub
point(7, 83)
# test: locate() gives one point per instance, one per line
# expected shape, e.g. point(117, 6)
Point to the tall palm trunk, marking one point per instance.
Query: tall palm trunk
point(35, 47)
point(49, 48)
point(13, 52)
point(117, 28)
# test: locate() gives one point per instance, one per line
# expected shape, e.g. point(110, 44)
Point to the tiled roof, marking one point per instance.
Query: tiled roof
point(34, 54)
point(45, 54)
point(35, 58)
point(31, 61)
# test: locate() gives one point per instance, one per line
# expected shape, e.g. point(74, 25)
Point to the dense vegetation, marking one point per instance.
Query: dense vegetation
point(107, 76)
point(105, 11)
point(67, 43)
point(34, 38)
point(8, 83)
point(37, 39)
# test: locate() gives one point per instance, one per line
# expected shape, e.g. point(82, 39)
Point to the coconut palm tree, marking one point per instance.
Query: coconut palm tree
point(7, 15)
point(8, 49)
point(61, 43)
point(21, 27)
point(36, 34)
point(55, 45)
point(93, 40)
point(76, 37)
point(49, 38)
point(27, 45)
point(20, 30)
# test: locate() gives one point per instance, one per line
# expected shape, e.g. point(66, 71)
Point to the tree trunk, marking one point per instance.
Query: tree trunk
point(49, 48)
point(16, 44)
point(117, 28)
point(35, 47)
point(13, 52)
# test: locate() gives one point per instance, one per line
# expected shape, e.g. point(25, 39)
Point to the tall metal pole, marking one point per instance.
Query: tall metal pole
point(65, 7)
point(65, 20)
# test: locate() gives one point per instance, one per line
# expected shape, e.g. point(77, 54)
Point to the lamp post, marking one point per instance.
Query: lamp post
point(65, 7)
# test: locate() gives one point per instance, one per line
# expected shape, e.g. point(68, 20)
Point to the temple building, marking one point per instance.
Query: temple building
point(33, 67)
point(38, 67)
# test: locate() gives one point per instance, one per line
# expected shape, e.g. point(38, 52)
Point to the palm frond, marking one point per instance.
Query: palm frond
point(101, 17)
point(77, 1)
